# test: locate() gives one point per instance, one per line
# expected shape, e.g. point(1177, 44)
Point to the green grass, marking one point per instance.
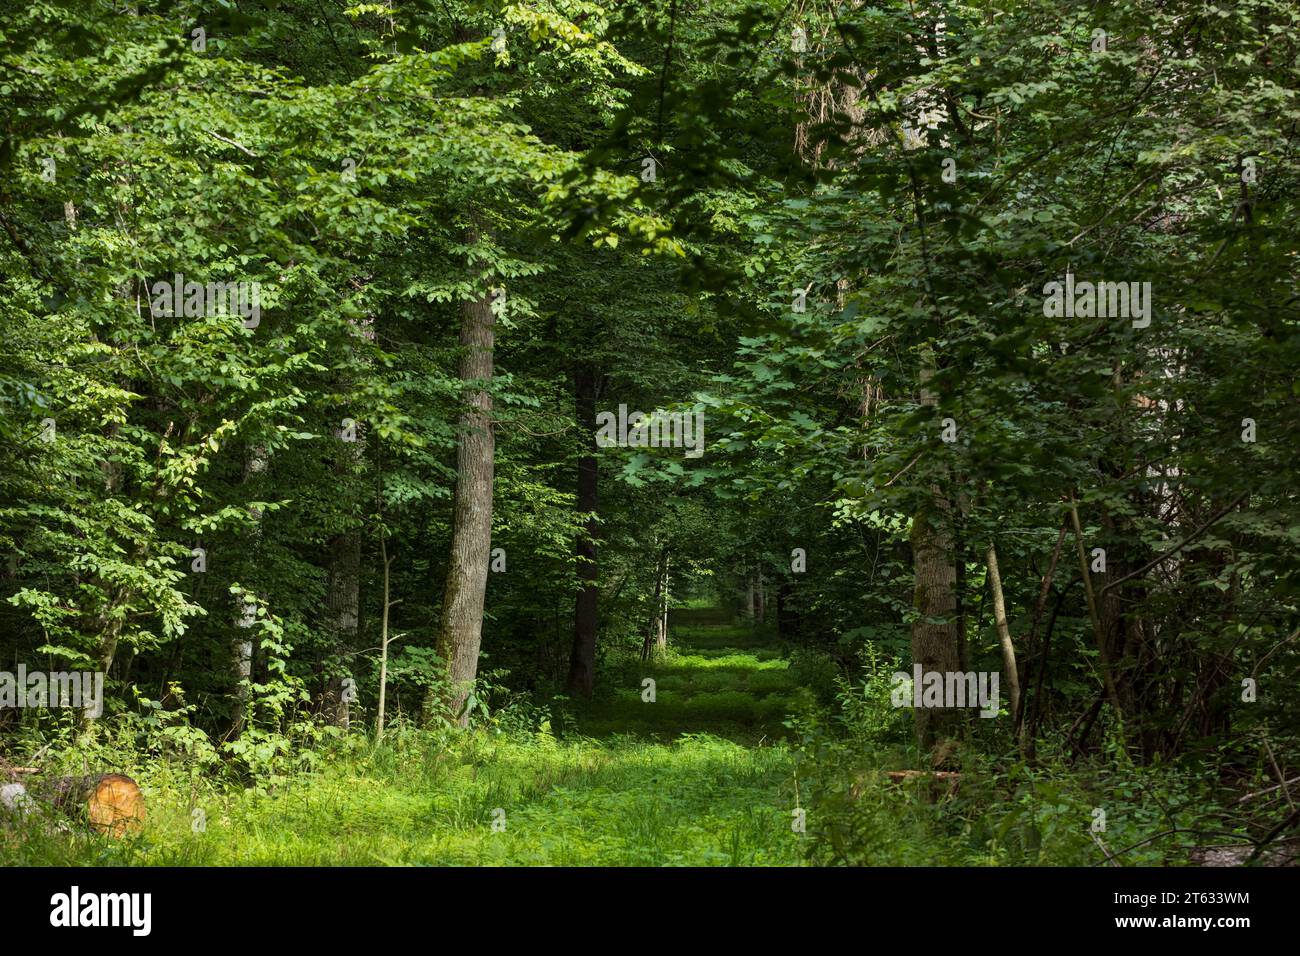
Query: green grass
point(701, 776)
point(727, 680)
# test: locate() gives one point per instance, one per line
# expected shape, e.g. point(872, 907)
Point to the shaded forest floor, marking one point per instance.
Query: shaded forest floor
point(699, 776)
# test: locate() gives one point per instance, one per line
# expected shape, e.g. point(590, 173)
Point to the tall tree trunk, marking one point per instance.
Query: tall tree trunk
point(241, 655)
point(785, 620)
point(241, 645)
point(656, 615)
point(343, 578)
point(760, 598)
point(959, 565)
point(1025, 723)
point(384, 640)
point(582, 660)
point(934, 633)
point(1004, 631)
point(343, 606)
point(471, 530)
point(661, 638)
point(1103, 652)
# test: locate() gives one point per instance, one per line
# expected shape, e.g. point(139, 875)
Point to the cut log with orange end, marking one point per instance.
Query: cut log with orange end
point(111, 802)
point(117, 806)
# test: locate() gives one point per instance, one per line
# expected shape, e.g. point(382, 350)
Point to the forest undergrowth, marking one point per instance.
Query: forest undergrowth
point(748, 754)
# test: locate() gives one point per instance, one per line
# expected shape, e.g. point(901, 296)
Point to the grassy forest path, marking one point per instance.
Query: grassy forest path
point(700, 776)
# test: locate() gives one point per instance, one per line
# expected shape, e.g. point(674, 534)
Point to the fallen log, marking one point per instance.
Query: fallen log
point(897, 775)
point(1280, 854)
point(110, 802)
point(942, 782)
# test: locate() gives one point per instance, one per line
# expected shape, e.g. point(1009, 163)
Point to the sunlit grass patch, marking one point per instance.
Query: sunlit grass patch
point(698, 777)
point(698, 801)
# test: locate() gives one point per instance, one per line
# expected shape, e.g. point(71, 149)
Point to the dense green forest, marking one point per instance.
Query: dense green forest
point(697, 432)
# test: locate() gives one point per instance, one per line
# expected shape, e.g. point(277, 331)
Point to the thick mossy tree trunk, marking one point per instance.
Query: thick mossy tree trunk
point(934, 633)
point(461, 630)
point(582, 660)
